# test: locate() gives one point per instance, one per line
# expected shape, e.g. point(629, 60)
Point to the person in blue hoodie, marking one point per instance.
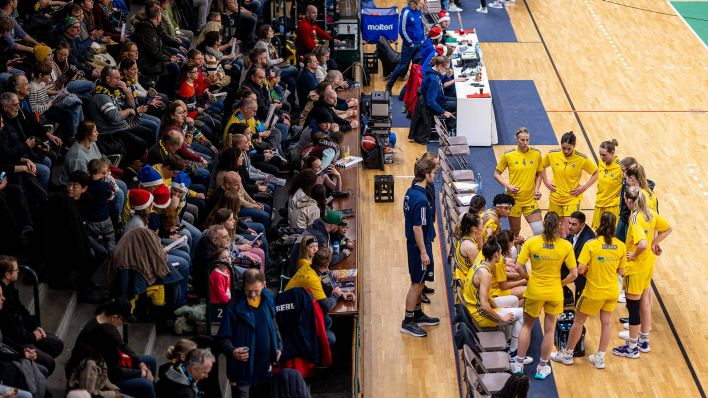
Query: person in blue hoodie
point(249, 336)
point(412, 35)
point(433, 90)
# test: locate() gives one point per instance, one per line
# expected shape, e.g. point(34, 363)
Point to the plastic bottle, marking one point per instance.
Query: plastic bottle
point(335, 247)
point(479, 183)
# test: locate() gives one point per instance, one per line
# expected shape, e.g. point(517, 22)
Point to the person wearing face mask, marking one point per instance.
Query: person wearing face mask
point(249, 336)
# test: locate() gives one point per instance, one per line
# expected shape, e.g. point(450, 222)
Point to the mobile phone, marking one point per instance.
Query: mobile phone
point(2, 176)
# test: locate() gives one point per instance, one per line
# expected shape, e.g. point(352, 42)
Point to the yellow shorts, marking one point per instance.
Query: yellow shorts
point(597, 213)
point(564, 210)
point(481, 318)
point(526, 209)
point(637, 283)
point(533, 307)
point(590, 306)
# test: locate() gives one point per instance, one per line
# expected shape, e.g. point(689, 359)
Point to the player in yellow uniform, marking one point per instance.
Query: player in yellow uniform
point(646, 230)
point(491, 218)
point(466, 246)
point(637, 178)
point(547, 253)
point(505, 280)
point(524, 164)
point(567, 166)
point(602, 259)
point(609, 183)
point(477, 299)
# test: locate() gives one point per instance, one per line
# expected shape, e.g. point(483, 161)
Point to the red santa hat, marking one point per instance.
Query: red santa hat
point(442, 49)
point(443, 16)
point(139, 199)
point(162, 197)
point(435, 33)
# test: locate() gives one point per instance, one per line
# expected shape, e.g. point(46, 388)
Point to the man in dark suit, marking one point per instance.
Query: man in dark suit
point(579, 233)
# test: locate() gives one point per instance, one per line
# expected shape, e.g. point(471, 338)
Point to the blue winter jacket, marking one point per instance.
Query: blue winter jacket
point(411, 26)
point(432, 88)
point(241, 327)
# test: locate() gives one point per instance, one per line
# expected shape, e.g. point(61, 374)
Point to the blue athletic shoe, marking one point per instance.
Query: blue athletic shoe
point(643, 345)
point(625, 351)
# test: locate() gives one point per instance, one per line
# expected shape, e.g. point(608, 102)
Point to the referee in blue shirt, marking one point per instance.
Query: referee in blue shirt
point(419, 212)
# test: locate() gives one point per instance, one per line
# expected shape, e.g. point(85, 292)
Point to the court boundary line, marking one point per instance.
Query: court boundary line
point(690, 28)
point(664, 310)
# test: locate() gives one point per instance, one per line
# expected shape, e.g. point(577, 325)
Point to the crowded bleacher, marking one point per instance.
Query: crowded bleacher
point(171, 162)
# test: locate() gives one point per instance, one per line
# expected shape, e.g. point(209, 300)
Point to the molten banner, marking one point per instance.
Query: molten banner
point(377, 22)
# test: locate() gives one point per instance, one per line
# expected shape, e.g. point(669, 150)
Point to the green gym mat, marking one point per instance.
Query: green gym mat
point(695, 14)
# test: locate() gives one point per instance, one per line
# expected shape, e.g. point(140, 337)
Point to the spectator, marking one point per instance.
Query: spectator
point(181, 380)
point(321, 230)
point(77, 47)
point(156, 64)
point(8, 9)
point(176, 354)
point(308, 33)
point(256, 82)
point(288, 72)
point(322, 54)
point(310, 277)
point(103, 20)
point(412, 34)
point(172, 29)
point(117, 137)
point(19, 143)
point(336, 78)
point(68, 109)
point(328, 101)
point(241, 249)
point(302, 209)
point(132, 373)
point(65, 75)
point(101, 194)
point(308, 248)
point(329, 177)
point(249, 336)
point(14, 211)
point(325, 147)
point(220, 279)
point(19, 329)
point(307, 80)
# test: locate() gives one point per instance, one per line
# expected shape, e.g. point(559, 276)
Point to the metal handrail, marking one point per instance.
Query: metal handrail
point(35, 292)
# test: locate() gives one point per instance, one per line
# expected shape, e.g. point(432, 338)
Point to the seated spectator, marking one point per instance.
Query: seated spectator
point(307, 80)
point(330, 177)
point(147, 104)
point(8, 8)
point(275, 90)
point(302, 209)
point(433, 103)
point(68, 109)
point(172, 29)
point(117, 136)
point(260, 161)
point(78, 49)
point(17, 223)
point(21, 174)
point(225, 66)
point(336, 78)
point(281, 122)
point(327, 101)
point(308, 248)
point(132, 373)
point(103, 20)
point(19, 329)
point(23, 138)
point(180, 380)
point(159, 68)
point(322, 54)
point(10, 360)
point(64, 74)
point(310, 277)
point(241, 250)
point(197, 104)
point(101, 194)
point(289, 72)
point(249, 336)
point(321, 123)
point(321, 230)
point(341, 236)
point(175, 120)
point(324, 147)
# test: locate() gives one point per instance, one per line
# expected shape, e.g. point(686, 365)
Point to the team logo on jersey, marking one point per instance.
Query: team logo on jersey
point(572, 165)
point(524, 162)
point(536, 257)
point(601, 259)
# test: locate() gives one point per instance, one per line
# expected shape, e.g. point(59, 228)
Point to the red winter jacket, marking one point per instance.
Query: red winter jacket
point(415, 78)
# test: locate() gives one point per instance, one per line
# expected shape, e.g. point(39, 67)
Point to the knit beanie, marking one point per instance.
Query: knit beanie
point(149, 177)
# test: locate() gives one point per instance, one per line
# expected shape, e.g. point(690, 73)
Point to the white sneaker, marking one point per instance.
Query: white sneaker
point(625, 325)
point(482, 10)
point(527, 360)
point(563, 357)
point(495, 4)
point(454, 8)
point(597, 360)
point(624, 335)
point(516, 367)
point(542, 372)
point(621, 298)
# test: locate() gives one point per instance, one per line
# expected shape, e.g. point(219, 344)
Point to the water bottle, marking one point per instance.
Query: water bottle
point(335, 247)
point(479, 183)
point(477, 50)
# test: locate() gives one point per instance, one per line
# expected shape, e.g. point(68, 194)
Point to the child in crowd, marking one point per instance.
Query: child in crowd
point(220, 279)
point(341, 236)
point(96, 214)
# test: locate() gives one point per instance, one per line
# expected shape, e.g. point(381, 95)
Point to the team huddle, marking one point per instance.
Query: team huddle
point(508, 280)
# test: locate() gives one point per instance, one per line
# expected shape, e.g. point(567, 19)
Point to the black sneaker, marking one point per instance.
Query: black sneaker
point(425, 320)
point(428, 290)
point(412, 328)
point(424, 298)
point(624, 319)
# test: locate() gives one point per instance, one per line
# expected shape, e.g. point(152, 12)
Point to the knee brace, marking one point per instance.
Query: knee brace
point(536, 227)
point(633, 308)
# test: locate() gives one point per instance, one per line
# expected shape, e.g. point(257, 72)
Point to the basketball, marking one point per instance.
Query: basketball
point(368, 143)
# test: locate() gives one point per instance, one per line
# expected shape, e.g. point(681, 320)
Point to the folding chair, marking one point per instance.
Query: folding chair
point(473, 384)
point(488, 383)
point(453, 173)
point(443, 132)
point(491, 362)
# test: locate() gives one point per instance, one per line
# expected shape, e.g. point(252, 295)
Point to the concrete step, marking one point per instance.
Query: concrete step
point(82, 313)
point(141, 337)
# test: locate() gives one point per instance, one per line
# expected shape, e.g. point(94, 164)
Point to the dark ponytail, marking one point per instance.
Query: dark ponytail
point(490, 248)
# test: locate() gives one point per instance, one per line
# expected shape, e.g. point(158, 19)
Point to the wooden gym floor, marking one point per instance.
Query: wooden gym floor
point(625, 69)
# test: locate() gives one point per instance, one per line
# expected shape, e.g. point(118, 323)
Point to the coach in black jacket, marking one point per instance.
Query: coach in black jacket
point(579, 233)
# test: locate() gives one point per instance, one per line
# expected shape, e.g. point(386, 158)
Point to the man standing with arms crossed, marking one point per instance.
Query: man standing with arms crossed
point(418, 211)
